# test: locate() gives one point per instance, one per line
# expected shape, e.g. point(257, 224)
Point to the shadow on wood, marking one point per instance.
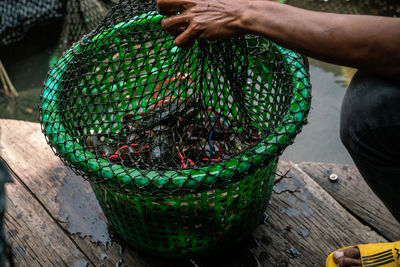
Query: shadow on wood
point(353, 193)
point(53, 216)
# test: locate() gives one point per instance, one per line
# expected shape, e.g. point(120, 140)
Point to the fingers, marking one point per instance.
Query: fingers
point(187, 38)
point(347, 262)
point(179, 25)
point(177, 31)
point(348, 257)
point(352, 253)
point(175, 25)
point(171, 7)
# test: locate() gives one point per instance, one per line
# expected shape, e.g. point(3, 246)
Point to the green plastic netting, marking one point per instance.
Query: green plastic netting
point(81, 17)
point(18, 17)
point(180, 146)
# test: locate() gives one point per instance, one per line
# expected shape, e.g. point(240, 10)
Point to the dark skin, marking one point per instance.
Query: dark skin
point(369, 43)
point(348, 258)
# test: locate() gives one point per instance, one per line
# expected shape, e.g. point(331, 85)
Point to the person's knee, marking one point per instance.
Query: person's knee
point(369, 103)
point(349, 119)
point(345, 135)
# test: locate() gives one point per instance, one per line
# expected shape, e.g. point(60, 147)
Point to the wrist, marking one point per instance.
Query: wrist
point(248, 17)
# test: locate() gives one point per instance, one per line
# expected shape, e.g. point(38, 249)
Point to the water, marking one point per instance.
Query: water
point(320, 141)
point(27, 64)
point(79, 208)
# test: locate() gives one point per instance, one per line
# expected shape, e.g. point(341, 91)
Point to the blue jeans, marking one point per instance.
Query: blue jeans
point(370, 130)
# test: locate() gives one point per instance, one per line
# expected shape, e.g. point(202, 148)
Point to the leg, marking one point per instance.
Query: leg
point(370, 130)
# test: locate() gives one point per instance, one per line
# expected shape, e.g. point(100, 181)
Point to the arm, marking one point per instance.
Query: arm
point(369, 43)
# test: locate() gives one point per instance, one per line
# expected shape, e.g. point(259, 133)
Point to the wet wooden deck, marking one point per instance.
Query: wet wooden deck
point(53, 217)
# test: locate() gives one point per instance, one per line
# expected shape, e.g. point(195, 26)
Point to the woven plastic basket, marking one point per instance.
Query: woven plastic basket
point(197, 208)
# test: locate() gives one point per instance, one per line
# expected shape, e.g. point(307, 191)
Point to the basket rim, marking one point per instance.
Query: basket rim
point(114, 175)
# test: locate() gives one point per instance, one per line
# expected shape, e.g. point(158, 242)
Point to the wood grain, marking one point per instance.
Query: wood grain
point(353, 193)
point(304, 218)
point(24, 148)
point(304, 222)
point(33, 235)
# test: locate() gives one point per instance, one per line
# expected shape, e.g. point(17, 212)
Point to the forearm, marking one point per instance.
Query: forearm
point(364, 42)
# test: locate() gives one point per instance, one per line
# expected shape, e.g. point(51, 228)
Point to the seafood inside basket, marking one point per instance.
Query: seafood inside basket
point(173, 133)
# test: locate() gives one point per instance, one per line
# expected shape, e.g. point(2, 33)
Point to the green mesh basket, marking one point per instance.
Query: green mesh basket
point(180, 147)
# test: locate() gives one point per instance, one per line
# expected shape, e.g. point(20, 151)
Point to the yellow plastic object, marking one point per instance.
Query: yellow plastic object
point(374, 254)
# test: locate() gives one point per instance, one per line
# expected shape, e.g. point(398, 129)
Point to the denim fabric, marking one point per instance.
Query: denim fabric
point(370, 130)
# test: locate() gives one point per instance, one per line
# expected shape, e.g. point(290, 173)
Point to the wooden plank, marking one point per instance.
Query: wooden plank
point(305, 224)
point(354, 194)
point(302, 217)
point(33, 235)
point(24, 148)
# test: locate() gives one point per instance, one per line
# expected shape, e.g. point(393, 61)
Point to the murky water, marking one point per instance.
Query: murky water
point(319, 141)
point(79, 208)
point(27, 66)
point(27, 63)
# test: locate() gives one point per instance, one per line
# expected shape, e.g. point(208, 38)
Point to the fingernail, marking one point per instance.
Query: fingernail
point(338, 254)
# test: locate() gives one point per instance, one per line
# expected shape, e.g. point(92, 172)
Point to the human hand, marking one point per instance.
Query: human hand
point(202, 19)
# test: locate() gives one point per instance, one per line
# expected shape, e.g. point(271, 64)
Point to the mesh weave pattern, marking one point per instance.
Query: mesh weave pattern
point(18, 16)
point(183, 225)
point(81, 17)
point(116, 105)
point(180, 146)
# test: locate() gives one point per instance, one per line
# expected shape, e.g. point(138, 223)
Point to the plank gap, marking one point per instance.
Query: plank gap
point(354, 195)
point(365, 222)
